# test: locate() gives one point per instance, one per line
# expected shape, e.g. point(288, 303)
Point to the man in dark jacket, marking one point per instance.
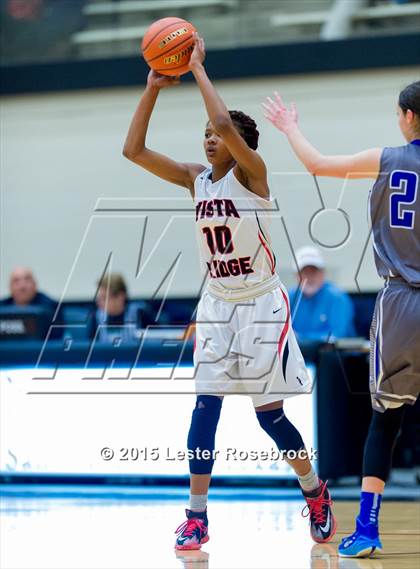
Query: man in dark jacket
point(24, 292)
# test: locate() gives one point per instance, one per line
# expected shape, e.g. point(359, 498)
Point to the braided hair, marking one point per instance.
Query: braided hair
point(246, 127)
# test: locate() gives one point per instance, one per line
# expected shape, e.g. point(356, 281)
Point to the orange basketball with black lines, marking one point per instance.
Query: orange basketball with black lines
point(167, 46)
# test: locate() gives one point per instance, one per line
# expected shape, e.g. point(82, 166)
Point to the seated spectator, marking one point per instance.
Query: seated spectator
point(24, 292)
point(116, 317)
point(321, 311)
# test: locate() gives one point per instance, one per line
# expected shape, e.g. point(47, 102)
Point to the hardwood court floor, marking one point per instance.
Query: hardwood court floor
point(101, 533)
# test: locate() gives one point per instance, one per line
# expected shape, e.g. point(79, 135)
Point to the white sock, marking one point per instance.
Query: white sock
point(309, 481)
point(198, 502)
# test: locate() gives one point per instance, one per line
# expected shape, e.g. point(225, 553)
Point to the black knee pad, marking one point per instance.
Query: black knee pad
point(380, 443)
point(202, 433)
point(281, 430)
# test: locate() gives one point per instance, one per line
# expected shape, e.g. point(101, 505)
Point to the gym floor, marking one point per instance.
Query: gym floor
point(105, 530)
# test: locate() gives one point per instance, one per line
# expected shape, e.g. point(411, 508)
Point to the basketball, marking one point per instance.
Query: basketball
point(167, 46)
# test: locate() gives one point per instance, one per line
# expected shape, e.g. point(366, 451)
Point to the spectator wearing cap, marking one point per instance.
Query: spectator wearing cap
point(321, 311)
point(116, 317)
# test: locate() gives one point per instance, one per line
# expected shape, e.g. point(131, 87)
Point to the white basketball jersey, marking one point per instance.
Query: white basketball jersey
point(233, 236)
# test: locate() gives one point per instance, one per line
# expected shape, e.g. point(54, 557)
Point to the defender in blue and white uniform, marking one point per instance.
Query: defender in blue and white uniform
point(244, 340)
point(394, 205)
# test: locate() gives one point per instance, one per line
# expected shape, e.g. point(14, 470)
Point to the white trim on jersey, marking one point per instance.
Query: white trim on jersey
point(379, 339)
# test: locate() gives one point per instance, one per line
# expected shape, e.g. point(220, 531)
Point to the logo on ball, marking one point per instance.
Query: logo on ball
point(177, 56)
point(172, 36)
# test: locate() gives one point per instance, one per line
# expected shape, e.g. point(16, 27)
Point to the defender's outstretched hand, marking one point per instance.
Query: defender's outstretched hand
point(155, 79)
point(199, 53)
point(278, 114)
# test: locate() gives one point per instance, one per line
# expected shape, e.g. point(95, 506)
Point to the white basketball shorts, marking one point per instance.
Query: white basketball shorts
point(248, 347)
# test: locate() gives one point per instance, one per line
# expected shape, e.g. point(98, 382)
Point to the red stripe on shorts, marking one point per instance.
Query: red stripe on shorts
point(286, 325)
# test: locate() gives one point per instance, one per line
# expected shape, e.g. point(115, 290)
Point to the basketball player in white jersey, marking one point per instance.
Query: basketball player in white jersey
point(244, 340)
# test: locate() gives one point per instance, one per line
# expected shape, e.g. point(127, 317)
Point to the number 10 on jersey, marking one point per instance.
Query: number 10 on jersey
point(219, 239)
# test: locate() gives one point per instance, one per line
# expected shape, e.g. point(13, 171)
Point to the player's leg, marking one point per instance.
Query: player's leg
point(201, 437)
point(377, 461)
point(271, 357)
point(273, 420)
point(394, 381)
point(210, 367)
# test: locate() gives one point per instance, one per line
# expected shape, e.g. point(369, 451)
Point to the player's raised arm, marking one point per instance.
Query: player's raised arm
point(135, 149)
point(364, 164)
point(248, 160)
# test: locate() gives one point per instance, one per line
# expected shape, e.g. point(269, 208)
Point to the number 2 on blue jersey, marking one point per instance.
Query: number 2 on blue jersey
point(407, 182)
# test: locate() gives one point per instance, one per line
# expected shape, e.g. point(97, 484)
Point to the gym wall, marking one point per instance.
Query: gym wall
point(70, 199)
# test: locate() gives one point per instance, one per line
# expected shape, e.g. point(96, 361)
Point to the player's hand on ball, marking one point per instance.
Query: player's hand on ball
point(278, 114)
point(199, 52)
point(155, 79)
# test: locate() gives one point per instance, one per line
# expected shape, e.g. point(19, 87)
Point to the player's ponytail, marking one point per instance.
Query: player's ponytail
point(409, 98)
point(247, 128)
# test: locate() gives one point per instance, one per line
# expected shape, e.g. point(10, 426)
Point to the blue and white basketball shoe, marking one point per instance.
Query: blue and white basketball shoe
point(364, 542)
